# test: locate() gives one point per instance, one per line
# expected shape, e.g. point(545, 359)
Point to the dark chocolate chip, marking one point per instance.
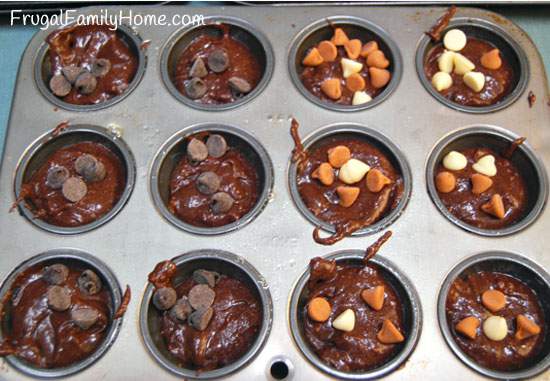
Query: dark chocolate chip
point(218, 60)
point(84, 317)
point(217, 146)
point(239, 85)
point(100, 67)
point(208, 182)
point(206, 277)
point(195, 88)
point(221, 202)
point(200, 318)
point(164, 298)
point(198, 69)
point(89, 282)
point(182, 309)
point(55, 274)
point(85, 83)
point(90, 168)
point(57, 176)
point(74, 189)
point(201, 296)
point(72, 72)
point(59, 298)
point(196, 151)
point(59, 85)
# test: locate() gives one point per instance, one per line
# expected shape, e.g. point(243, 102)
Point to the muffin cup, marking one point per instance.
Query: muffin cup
point(42, 73)
point(225, 263)
point(39, 151)
point(355, 28)
point(485, 30)
point(68, 257)
point(498, 139)
point(412, 315)
point(240, 30)
point(381, 142)
point(172, 151)
point(519, 267)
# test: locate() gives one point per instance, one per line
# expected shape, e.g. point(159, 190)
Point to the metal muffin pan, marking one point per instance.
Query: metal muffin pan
point(378, 140)
point(75, 258)
point(278, 242)
point(520, 268)
point(225, 263)
point(412, 314)
point(42, 72)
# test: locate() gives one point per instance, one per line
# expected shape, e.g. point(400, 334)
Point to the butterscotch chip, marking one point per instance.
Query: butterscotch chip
point(332, 89)
point(379, 77)
point(480, 183)
point(493, 300)
point(526, 327)
point(355, 82)
point(353, 48)
point(376, 180)
point(491, 60)
point(495, 207)
point(368, 48)
point(377, 59)
point(313, 58)
point(374, 297)
point(445, 182)
point(327, 50)
point(389, 334)
point(468, 326)
point(318, 309)
point(340, 37)
point(324, 173)
point(347, 195)
point(338, 156)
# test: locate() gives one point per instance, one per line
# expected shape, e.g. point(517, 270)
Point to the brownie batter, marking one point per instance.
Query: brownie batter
point(238, 178)
point(341, 284)
point(508, 182)
point(242, 63)
point(52, 207)
point(234, 326)
point(46, 338)
point(82, 45)
point(464, 299)
point(498, 83)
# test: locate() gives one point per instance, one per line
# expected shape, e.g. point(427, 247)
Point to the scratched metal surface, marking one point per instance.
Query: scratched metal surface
point(278, 243)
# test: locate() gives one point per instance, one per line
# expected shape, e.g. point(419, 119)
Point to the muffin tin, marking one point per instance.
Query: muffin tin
point(278, 242)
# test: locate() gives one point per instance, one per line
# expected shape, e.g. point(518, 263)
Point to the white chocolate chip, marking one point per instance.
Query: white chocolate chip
point(445, 62)
point(350, 66)
point(474, 80)
point(462, 64)
point(353, 171)
point(495, 328)
point(486, 166)
point(455, 161)
point(442, 81)
point(345, 321)
point(360, 97)
point(455, 40)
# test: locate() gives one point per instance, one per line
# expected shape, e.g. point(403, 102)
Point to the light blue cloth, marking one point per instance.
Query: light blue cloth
point(535, 20)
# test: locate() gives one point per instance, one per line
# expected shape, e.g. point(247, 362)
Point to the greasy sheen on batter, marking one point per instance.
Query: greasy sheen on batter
point(359, 350)
point(49, 204)
point(242, 63)
point(498, 83)
point(81, 45)
point(464, 300)
point(48, 338)
point(239, 179)
point(508, 182)
point(232, 331)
